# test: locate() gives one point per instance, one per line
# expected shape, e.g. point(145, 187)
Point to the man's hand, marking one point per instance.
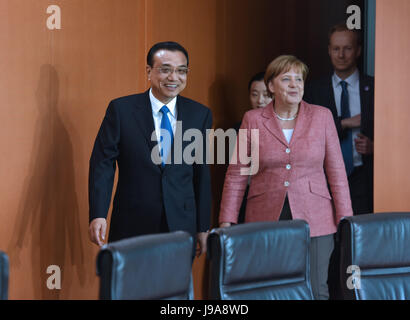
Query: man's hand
point(363, 144)
point(350, 123)
point(97, 230)
point(201, 243)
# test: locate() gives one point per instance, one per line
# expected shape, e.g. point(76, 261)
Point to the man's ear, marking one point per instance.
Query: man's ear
point(148, 69)
point(359, 51)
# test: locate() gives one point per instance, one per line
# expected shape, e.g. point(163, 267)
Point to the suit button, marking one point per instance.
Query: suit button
point(288, 166)
point(286, 184)
point(287, 150)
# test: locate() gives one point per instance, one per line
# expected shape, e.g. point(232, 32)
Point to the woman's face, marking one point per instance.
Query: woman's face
point(259, 95)
point(288, 87)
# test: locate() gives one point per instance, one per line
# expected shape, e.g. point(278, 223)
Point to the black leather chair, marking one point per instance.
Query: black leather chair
point(376, 248)
point(4, 276)
point(147, 267)
point(260, 261)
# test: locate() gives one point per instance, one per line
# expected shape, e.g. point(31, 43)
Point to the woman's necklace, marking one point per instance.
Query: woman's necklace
point(285, 119)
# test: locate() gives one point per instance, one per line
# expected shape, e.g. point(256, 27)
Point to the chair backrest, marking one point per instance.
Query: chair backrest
point(261, 260)
point(154, 266)
point(4, 276)
point(375, 248)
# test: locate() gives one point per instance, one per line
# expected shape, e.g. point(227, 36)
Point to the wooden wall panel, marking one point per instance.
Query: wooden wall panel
point(55, 86)
point(392, 113)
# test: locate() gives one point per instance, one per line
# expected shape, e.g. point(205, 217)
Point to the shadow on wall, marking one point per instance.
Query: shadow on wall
point(48, 216)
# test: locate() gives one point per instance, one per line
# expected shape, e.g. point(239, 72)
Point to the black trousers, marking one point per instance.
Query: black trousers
point(361, 190)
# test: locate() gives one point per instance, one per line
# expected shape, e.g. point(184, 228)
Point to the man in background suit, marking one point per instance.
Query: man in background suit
point(350, 97)
point(150, 197)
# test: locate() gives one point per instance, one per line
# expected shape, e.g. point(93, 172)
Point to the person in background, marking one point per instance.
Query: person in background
point(258, 93)
point(299, 157)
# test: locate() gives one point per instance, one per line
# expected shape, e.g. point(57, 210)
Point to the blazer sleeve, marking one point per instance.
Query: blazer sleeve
point(235, 183)
point(335, 170)
point(103, 164)
point(202, 182)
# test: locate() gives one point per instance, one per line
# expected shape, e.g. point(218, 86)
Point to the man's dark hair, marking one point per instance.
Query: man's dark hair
point(257, 77)
point(168, 45)
point(343, 27)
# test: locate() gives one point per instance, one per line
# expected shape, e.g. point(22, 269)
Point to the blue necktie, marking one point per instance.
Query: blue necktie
point(347, 141)
point(166, 140)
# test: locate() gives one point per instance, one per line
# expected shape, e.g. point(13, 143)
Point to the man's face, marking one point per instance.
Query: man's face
point(168, 74)
point(344, 51)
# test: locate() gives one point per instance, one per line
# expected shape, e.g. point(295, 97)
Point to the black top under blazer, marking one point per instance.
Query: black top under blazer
point(145, 190)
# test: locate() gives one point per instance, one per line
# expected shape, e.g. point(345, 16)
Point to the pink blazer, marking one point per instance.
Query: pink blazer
point(301, 169)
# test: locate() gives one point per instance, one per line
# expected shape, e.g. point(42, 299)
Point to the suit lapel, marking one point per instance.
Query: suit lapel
point(364, 93)
point(272, 124)
point(302, 120)
point(331, 103)
point(145, 122)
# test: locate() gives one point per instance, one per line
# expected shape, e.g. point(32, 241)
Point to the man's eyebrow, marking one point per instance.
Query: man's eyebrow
point(168, 65)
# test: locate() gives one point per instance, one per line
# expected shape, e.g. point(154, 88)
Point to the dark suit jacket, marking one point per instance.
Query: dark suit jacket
point(321, 92)
point(145, 191)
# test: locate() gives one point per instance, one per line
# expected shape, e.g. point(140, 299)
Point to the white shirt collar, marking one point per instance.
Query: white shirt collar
point(352, 80)
point(157, 105)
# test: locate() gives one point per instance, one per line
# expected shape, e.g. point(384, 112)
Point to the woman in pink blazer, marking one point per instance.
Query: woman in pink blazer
point(299, 156)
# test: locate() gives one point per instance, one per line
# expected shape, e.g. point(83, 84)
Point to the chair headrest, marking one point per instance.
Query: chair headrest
point(369, 235)
point(258, 250)
point(149, 266)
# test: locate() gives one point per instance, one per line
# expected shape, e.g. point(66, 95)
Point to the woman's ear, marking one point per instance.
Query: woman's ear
point(271, 88)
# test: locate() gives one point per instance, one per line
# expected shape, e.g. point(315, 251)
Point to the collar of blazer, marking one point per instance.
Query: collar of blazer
point(272, 123)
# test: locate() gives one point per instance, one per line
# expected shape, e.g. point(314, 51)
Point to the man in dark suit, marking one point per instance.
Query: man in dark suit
point(350, 97)
point(151, 196)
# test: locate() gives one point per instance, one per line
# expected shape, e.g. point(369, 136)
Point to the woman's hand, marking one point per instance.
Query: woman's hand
point(225, 225)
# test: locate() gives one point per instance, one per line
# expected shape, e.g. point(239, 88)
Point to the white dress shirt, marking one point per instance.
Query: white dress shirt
point(157, 114)
point(353, 87)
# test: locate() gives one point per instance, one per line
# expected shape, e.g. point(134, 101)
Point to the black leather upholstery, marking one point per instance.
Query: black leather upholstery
point(147, 267)
point(263, 260)
point(4, 276)
point(379, 245)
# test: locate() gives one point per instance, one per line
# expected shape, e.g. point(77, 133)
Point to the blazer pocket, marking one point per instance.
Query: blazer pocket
point(255, 191)
point(319, 190)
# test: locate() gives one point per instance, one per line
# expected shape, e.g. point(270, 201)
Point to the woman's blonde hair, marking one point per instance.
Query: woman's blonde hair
point(283, 64)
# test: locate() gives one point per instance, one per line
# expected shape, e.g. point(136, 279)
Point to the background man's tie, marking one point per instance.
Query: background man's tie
point(347, 142)
point(166, 143)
